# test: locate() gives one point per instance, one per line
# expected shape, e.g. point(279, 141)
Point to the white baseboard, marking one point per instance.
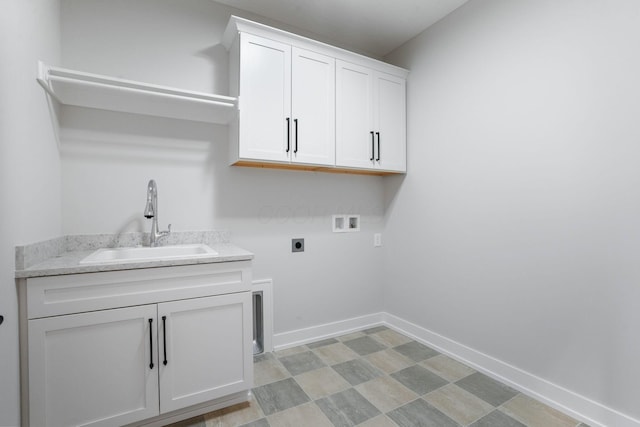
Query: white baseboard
point(329, 330)
point(579, 407)
point(571, 403)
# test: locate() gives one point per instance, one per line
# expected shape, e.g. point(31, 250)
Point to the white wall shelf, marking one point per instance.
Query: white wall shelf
point(82, 89)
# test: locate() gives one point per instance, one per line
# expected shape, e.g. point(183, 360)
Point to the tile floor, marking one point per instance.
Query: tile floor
point(377, 378)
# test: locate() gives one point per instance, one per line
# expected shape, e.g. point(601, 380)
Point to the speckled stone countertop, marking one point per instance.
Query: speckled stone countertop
point(63, 255)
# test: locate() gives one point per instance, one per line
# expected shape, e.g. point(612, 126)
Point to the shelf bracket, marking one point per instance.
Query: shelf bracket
point(42, 80)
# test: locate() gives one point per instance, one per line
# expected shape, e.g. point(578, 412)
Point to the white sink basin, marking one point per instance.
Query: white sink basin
point(159, 253)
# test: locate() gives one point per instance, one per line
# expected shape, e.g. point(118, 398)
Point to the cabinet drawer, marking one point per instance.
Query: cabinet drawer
point(74, 293)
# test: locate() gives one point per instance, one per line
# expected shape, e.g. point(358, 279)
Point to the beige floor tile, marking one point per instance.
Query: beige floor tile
point(447, 368)
point(321, 382)
point(291, 351)
point(390, 338)
point(350, 336)
point(389, 361)
point(536, 414)
point(268, 371)
point(459, 404)
point(235, 415)
point(304, 415)
point(386, 393)
point(335, 353)
point(379, 421)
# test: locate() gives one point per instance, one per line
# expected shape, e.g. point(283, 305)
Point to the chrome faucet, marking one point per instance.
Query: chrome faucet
point(151, 211)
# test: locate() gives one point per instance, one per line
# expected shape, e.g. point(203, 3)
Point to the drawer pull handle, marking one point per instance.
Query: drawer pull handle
point(295, 122)
point(164, 338)
point(373, 146)
point(288, 134)
point(151, 343)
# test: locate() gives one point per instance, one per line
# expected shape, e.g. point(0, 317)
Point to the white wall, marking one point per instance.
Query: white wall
point(107, 159)
point(517, 229)
point(29, 165)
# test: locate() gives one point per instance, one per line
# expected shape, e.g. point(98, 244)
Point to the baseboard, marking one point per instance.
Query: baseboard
point(571, 403)
point(579, 407)
point(329, 330)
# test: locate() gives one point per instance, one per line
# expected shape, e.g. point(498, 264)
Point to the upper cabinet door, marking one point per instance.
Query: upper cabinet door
point(265, 99)
point(313, 108)
point(390, 122)
point(354, 116)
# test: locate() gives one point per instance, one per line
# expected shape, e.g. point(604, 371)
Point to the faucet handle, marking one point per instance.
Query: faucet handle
point(166, 232)
point(162, 234)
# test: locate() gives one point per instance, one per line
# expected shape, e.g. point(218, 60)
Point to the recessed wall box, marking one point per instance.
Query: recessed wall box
point(258, 323)
point(345, 223)
point(353, 222)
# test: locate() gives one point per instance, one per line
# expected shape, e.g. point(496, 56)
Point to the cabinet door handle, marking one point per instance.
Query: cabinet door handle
point(295, 123)
point(288, 134)
point(151, 343)
point(378, 135)
point(373, 147)
point(164, 338)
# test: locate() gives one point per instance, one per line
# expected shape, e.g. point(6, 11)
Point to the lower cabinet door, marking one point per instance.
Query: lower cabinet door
point(94, 369)
point(205, 349)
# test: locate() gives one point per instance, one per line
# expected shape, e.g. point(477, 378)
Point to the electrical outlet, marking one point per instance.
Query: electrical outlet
point(297, 245)
point(377, 240)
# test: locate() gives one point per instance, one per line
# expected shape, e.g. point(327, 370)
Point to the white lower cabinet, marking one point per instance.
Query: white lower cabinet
point(202, 336)
point(93, 368)
point(124, 365)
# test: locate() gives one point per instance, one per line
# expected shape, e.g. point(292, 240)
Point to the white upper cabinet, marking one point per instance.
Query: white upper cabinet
point(370, 119)
point(313, 108)
point(265, 83)
point(287, 112)
point(390, 118)
point(355, 138)
point(307, 105)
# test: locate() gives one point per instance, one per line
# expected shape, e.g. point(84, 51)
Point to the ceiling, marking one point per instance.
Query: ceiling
point(372, 26)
